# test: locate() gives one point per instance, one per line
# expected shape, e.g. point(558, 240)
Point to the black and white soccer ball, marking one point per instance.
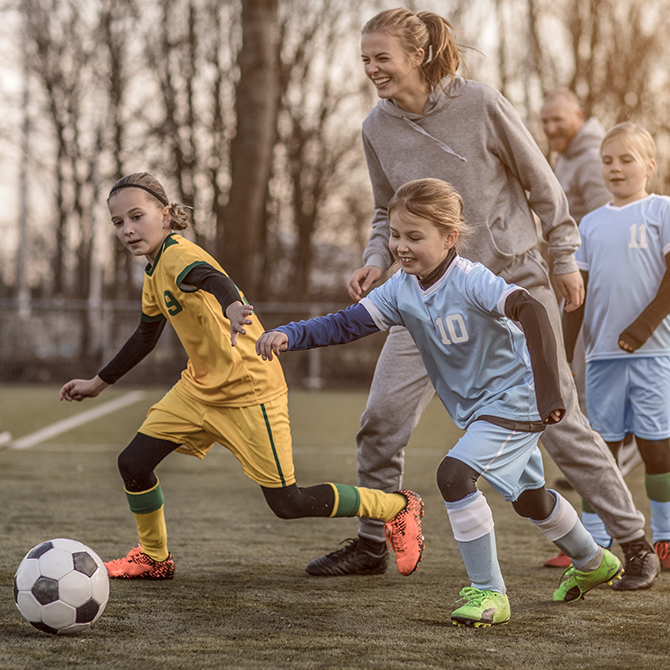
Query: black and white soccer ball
point(61, 586)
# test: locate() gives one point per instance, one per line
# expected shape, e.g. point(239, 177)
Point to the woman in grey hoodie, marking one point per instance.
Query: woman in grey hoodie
point(431, 123)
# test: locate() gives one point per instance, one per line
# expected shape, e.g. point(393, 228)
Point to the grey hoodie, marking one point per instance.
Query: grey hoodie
point(474, 139)
point(578, 171)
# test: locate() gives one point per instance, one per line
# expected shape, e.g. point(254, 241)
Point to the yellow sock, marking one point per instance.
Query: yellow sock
point(379, 505)
point(147, 508)
point(371, 503)
point(152, 532)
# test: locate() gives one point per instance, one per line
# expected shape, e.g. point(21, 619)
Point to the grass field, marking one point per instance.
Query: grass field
point(241, 598)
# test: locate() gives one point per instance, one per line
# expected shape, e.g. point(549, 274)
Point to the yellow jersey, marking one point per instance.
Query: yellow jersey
point(217, 373)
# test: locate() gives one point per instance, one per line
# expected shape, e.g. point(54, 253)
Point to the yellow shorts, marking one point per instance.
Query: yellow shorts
point(258, 436)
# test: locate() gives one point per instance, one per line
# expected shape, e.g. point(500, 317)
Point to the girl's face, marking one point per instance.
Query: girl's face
point(140, 224)
point(395, 73)
point(418, 244)
point(625, 176)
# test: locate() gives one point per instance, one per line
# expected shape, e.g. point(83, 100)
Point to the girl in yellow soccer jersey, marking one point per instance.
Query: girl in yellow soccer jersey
point(227, 394)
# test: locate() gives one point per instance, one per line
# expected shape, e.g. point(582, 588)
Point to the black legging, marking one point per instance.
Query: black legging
point(293, 502)
point(139, 459)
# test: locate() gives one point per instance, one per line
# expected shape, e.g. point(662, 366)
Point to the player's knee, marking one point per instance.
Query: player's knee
point(455, 479)
point(126, 464)
point(655, 454)
point(283, 503)
point(537, 504)
point(135, 476)
point(283, 510)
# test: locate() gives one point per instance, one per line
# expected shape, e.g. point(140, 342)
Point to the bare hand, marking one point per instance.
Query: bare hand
point(625, 346)
point(271, 342)
point(238, 314)
point(571, 286)
point(78, 389)
point(555, 416)
point(362, 279)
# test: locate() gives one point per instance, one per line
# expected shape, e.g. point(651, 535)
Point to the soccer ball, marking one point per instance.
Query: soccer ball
point(61, 586)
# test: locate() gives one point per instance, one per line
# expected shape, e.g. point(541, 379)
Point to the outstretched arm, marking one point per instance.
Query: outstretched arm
point(633, 337)
point(532, 316)
point(344, 326)
point(138, 345)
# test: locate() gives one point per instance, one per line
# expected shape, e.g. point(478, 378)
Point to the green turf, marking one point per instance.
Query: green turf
point(241, 598)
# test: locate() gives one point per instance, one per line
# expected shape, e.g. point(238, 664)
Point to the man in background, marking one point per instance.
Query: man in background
point(577, 143)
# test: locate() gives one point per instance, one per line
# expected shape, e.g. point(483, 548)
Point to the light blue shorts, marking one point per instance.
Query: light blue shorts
point(629, 395)
point(510, 461)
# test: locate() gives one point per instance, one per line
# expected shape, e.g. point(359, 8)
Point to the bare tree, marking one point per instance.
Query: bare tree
point(316, 130)
point(115, 20)
point(256, 100)
point(64, 49)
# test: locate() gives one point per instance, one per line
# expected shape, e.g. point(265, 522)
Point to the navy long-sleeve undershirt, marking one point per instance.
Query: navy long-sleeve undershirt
point(344, 326)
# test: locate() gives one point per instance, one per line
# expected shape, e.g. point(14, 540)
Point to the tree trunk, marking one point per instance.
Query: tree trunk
point(238, 230)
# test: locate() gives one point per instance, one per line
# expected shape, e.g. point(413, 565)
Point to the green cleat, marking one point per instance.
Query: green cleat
point(577, 583)
point(481, 609)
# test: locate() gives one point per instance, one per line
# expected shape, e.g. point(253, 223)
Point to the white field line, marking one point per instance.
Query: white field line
point(77, 420)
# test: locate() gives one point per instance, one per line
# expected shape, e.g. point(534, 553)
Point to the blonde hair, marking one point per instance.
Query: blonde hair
point(426, 31)
point(434, 200)
point(637, 141)
point(179, 217)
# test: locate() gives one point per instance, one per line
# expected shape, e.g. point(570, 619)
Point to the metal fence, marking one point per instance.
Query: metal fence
point(55, 340)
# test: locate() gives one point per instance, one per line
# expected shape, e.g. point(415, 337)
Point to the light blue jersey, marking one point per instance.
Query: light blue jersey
point(476, 357)
point(623, 250)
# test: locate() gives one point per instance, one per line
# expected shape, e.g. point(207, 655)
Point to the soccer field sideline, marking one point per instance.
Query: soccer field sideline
point(65, 425)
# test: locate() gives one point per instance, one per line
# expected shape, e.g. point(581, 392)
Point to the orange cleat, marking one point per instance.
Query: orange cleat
point(662, 548)
point(137, 565)
point(560, 561)
point(404, 535)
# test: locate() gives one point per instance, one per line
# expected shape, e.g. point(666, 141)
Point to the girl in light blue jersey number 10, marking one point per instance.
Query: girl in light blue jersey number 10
point(625, 261)
point(501, 387)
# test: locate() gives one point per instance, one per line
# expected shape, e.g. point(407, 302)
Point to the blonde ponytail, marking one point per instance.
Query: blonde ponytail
point(427, 31)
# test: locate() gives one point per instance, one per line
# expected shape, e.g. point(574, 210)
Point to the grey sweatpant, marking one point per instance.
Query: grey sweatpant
point(401, 391)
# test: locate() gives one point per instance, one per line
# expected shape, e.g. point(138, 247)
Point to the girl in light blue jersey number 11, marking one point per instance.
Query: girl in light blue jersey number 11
point(501, 387)
point(625, 261)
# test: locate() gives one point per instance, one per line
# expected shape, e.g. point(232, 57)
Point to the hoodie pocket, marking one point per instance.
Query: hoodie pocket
point(480, 247)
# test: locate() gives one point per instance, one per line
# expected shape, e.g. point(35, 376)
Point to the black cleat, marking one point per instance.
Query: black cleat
point(641, 566)
point(350, 560)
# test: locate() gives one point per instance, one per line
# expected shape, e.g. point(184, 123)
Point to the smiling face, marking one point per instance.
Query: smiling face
point(625, 171)
point(561, 119)
point(418, 244)
point(140, 223)
point(395, 73)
